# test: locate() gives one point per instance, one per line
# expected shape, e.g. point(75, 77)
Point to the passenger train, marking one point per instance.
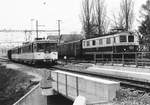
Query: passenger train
point(123, 42)
point(38, 51)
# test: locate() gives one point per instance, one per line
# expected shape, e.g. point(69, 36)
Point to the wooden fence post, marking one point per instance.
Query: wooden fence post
point(66, 85)
point(136, 60)
point(123, 59)
point(77, 86)
point(95, 61)
point(57, 82)
point(112, 60)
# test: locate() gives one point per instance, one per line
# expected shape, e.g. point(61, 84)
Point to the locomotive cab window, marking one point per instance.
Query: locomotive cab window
point(93, 42)
point(50, 47)
point(46, 47)
point(40, 47)
point(131, 38)
point(123, 38)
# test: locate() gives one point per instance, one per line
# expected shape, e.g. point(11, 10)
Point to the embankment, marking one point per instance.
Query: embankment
point(13, 85)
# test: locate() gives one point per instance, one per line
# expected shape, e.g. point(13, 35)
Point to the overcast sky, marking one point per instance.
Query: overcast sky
point(21, 14)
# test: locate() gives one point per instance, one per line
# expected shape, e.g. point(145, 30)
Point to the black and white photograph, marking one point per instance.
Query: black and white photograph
point(75, 52)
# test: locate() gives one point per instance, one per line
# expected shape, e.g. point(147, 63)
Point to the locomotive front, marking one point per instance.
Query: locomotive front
point(45, 51)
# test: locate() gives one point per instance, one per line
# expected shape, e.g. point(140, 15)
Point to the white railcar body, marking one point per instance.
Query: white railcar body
point(39, 50)
point(111, 40)
point(36, 56)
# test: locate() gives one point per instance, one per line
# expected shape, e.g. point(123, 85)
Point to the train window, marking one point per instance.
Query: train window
point(93, 42)
point(51, 47)
point(123, 38)
point(114, 39)
point(88, 43)
point(40, 47)
point(19, 50)
point(46, 47)
point(23, 49)
point(34, 47)
point(131, 38)
point(83, 43)
point(108, 41)
point(100, 41)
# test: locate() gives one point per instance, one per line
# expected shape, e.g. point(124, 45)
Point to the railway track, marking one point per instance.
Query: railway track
point(139, 63)
point(125, 82)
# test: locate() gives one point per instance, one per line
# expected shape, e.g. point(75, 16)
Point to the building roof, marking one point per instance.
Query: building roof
point(70, 37)
point(66, 37)
point(53, 37)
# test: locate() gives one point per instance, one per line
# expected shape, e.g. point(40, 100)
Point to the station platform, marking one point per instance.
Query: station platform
point(127, 72)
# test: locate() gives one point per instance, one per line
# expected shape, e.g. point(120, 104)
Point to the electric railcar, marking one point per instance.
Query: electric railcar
point(123, 42)
point(38, 51)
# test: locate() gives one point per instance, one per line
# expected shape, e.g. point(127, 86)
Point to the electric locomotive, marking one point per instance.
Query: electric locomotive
point(116, 46)
point(38, 51)
point(117, 43)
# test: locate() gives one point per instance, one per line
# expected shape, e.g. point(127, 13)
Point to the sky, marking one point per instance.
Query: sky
point(22, 14)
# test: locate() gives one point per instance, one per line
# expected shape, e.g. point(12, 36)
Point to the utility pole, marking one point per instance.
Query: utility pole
point(37, 29)
point(58, 30)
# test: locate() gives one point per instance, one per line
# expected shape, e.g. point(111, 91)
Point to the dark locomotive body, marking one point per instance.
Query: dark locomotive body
point(70, 49)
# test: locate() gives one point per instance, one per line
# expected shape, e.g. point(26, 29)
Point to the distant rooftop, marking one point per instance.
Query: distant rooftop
point(66, 37)
point(53, 37)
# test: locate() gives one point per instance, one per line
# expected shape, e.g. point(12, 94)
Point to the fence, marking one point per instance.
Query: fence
point(124, 58)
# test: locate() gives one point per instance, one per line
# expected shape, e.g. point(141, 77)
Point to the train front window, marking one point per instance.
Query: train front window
point(123, 38)
point(40, 47)
point(46, 47)
point(50, 47)
point(131, 38)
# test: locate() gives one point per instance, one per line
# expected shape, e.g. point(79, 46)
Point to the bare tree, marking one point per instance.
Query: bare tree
point(126, 15)
point(100, 16)
point(87, 18)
